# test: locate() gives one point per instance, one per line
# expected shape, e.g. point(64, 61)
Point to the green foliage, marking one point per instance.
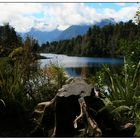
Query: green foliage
point(10, 78)
point(137, 16)
point(9, 40)
point(16, 73)
point(131, 48)
point(123, 100)
point(22, 80)
point(51, 79)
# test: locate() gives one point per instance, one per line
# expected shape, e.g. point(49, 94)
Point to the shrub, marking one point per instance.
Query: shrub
point(123, 99)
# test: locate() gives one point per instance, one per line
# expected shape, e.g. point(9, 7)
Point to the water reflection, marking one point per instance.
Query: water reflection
point(78, 71)
point(75, 66)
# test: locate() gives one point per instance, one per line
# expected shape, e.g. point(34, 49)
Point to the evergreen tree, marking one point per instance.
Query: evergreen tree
point(9, 40)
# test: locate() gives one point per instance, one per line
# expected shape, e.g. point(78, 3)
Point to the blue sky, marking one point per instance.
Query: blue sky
point(116, 6)
point(101, 5)
point(49, 16)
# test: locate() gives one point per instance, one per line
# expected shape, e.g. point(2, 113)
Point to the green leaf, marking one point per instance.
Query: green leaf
point(121, 109)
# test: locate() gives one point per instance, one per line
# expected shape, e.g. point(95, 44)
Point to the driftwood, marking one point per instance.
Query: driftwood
point(69, 113)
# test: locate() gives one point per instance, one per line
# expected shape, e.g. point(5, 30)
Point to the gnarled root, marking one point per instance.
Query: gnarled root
point(39, 113)
point(91, 124)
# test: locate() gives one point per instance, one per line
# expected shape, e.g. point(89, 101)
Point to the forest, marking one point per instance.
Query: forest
point(109, 41)
point(32, 103)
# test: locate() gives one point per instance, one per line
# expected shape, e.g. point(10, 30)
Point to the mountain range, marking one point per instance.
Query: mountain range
point(70, 32)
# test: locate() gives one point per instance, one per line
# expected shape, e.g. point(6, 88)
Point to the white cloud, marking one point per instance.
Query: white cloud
point(62, 27)
point(21, 23)
point(70, 14)
point(58, 15)
point(126, 13)
point(120, 4)
point(108, 13)
point(19, 15)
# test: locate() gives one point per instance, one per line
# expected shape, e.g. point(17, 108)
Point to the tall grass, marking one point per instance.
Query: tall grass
point(10, 79)
point(125, 86)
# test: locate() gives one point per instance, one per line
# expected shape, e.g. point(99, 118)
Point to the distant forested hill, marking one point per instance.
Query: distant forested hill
point(109, 41)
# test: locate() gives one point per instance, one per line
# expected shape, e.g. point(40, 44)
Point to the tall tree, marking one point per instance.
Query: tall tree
point(9, 40)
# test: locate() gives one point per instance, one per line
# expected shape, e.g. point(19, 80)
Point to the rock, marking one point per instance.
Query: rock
point(77, 87)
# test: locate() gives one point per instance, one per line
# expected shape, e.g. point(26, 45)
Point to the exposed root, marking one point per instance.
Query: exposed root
point(39, 113)
point(91, 124)
point(3, 102)
point(40, 110)
point(80, 116)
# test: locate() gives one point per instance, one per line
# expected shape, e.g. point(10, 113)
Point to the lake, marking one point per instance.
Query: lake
point(74, 65)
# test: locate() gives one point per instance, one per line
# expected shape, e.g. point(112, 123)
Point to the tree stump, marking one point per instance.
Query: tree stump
point(71, 113)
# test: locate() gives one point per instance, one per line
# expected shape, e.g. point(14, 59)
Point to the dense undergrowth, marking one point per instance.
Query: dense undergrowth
point(122, 92)
point(23, 84)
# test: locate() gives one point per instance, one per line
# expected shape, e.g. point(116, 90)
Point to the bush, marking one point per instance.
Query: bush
point(51, 78)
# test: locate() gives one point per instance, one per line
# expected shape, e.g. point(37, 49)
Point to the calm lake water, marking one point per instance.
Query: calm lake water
point(74, 66)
